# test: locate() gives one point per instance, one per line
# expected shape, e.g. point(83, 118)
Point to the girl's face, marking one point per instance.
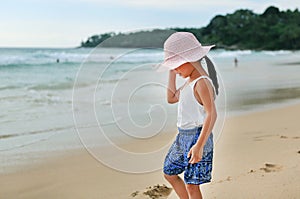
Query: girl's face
point(185, 70)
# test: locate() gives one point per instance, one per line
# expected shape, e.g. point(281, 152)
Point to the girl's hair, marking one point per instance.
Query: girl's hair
point(212, 73)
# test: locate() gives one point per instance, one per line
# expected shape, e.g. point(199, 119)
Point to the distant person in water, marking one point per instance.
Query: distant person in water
point(235, 62)
point(57, 60)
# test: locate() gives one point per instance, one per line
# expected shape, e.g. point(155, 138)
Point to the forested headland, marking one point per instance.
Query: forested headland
point(243, 29)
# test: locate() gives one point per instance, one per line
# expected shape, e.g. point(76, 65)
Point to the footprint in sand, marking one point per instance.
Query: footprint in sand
point(155, 192)
point(283, 137)
point(286, 137)
point(227, 179)
point(261, 138)
point(271, 168)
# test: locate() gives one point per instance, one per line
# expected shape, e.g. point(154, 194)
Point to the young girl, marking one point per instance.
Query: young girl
point(192, 150)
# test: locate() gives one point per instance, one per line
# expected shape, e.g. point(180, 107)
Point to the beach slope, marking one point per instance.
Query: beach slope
point(257, 156)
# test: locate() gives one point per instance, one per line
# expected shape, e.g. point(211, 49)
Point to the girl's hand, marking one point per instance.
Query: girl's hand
point(173, 72)
point(195, 153)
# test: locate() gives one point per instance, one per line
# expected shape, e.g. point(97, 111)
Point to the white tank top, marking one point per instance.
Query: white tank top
point(191, 113)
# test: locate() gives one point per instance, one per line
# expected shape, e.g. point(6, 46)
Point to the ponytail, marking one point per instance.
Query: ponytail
point(212, 73)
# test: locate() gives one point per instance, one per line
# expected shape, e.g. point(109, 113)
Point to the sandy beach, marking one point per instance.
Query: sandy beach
point(85, 111)
point(257, 156)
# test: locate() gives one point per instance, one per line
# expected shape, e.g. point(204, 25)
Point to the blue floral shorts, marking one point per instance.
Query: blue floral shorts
point(176, 160)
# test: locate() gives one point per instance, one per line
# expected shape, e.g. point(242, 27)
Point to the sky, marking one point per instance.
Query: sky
point(65, 23)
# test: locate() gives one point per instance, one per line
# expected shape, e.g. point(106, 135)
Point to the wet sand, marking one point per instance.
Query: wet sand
point(257, 156)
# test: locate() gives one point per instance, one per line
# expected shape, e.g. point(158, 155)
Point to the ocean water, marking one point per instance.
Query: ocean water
point(53, 100)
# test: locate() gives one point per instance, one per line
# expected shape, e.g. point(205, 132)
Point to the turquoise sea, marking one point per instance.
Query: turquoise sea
point(49, 97)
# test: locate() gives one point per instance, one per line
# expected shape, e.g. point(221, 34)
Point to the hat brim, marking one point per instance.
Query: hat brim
point(192, 55)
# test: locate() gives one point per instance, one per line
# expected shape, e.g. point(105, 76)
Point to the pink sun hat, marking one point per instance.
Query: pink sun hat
point(180, 48)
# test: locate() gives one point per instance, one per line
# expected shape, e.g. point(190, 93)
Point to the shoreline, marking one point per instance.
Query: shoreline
point(168, 134)
point(256, 156)
point(264, 107)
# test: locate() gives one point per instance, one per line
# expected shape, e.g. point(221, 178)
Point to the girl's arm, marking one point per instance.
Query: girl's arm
point(172, 92)
point(205, 91)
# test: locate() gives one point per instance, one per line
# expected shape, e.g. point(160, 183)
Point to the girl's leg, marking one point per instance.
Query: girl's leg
point(194, 191)
point(178, 185)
